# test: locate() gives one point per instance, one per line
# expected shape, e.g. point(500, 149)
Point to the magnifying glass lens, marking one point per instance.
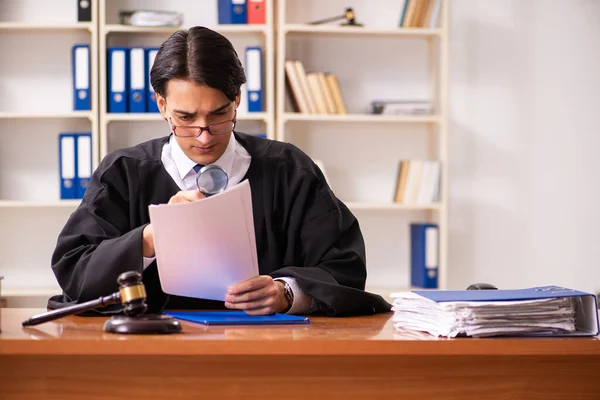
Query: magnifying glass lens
point(211, 180)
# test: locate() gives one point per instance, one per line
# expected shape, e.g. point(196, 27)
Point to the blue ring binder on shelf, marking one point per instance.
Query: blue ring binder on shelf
point(136, 70)
point(117, 82)
point(81, 78)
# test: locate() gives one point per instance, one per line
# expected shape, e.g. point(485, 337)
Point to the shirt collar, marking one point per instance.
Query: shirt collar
point(185, 164)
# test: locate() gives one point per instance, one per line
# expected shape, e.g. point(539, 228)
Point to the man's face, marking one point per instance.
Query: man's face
point(189, 104)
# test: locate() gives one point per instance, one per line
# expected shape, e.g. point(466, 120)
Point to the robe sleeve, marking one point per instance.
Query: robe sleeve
point(97, 242)
point(326, 245)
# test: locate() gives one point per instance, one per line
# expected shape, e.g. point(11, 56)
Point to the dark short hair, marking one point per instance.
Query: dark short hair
point(201, 55)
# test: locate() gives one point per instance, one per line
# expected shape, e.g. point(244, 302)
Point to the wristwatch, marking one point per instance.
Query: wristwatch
point(289, 295)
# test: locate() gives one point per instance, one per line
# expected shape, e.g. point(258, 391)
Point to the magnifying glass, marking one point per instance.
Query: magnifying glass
point(211, 180)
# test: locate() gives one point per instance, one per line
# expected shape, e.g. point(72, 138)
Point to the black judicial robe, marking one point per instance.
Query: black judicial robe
point(302, 230)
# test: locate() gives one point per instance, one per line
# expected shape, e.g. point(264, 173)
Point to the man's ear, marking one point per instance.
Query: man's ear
point(238, 98)
point(162, 105)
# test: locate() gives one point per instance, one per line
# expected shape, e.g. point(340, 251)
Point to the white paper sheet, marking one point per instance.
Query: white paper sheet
point(206, 246)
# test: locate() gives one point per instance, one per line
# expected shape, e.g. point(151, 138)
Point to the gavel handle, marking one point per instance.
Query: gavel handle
point(61, 312)
point(324, 21)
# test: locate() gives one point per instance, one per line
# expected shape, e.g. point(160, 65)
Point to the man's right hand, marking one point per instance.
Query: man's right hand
point(186, 196)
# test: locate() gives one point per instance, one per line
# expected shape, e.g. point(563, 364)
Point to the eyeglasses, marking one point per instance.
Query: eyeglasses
point(188, 131)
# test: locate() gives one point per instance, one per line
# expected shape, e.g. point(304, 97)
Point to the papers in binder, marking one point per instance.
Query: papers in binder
point(151, 18)
point(544, 311)
point(206, 246)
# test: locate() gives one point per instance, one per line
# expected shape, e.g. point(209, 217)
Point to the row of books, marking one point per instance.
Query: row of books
point(128, 80)
point(420, 13)
point(75, 163)
point(418, 182)
point(241, 11)
point(314, 92)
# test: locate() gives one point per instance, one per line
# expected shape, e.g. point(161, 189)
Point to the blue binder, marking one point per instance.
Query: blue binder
point(151, 105)
point(117, 58)
point(83, 159)
point(586, 318)
point(81, 78)
point(424, 255)
point(232, 12)
point(137, 80)
point(67, 149)
point(237, 318)
point(254, 79)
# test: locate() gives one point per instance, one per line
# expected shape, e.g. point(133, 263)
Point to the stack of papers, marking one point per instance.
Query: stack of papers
point(542, 316)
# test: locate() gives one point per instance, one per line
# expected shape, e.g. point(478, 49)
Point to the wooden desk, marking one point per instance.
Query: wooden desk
point(350, 358)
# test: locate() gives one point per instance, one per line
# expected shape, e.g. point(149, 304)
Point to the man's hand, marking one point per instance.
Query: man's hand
point(260, 295)
point(186, 196)
point(148, 241)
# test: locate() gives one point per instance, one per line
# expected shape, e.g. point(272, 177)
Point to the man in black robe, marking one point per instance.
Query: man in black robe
point(310, 248)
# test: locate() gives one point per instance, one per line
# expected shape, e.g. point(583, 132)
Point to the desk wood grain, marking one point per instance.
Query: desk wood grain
point(341, 358)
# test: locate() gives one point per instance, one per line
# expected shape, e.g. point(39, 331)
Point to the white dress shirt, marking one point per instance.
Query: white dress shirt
point(235, 161)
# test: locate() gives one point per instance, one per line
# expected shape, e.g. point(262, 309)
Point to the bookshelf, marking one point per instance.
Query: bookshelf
point(348, 52)
point(124, 129)
point(41, 110)
point(37, 105)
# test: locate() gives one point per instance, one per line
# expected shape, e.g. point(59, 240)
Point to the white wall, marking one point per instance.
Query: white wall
point(525, 127)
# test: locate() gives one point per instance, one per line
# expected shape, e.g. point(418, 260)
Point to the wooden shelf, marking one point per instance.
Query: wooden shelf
point(389, 206)
point(360, 118)
point(57, 115)
point(30, 291)
point(241, 28)
point(358, 31)
point(25, 26)
point(140, 117)
point(39, 204)
point(256, 116)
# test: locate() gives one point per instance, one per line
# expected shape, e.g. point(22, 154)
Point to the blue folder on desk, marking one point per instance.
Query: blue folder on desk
point(586, 316)
point(237, 318)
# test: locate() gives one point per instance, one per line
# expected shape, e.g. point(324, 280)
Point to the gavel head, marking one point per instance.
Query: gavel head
point(133, 293)
point(350, 16)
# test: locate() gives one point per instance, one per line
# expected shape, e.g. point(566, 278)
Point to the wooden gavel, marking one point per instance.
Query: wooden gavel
point(132, 294)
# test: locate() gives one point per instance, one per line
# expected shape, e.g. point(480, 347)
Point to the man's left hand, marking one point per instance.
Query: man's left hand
point(260, 295)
